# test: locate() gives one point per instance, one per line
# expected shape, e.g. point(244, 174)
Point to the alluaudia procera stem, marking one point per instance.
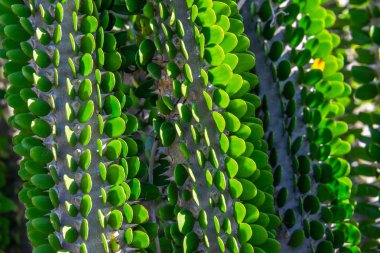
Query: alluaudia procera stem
point(219, 190)
point(360, 32)
point(151, 126)
point(80, 162)
point(302, 101)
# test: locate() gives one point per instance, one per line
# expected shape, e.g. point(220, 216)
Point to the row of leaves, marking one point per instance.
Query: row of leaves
point(12, 232)
point(217, 180)
point(80, 162)
point(359, 21)
point(83, 131)
point(56, 123)
point(315, 206)
point(8, 171)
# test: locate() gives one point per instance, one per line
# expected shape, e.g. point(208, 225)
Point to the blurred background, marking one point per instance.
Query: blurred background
point(13, 237)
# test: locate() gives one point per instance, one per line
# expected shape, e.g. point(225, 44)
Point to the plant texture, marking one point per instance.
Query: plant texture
point(360, 46)
point(12, 230)
point(304, 135)
point(199, 56)
point(79, 161)
point(193, 125)
point(8, 206)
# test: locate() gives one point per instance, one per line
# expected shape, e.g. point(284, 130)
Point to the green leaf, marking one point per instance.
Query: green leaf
point(213, 34)
point(41, 154)
point(115, 174)
point(86, 64)
point(232, 122)
point(214, 55)
point(237, 146)
point(316, 229)
point(206, 17)
point(14, 32)
point(167, 134)
point(363, 74)
point(89, 24)
point(185, 221)
point(85, 205)
point(324, 247)
point(146, 51)
point(312, 77)
point(140, 214)
point(221, 98)
point(375, 34)
point(297, 238)
point(283, 70)
point(246, 167)
point(41, 128)
point(86, 111)
point(140, 240)
point(219, 121)
point(38, 107)
point(229, 42)
point(70, 234)
point(114, 127)
point(366, 92)
point(116, 196)
point(235, 188)
point(246, 62)
point(42, 181)
point(115, 219)
point(239, 212)
point(244, 232)
point(249, 189)
point(191, 242)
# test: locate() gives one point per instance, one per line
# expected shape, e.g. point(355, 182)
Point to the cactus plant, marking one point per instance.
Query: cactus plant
point(187, 125)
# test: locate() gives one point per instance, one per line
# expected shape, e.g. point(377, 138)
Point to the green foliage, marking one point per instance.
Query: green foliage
point(8, 207)
point(11, 229)
point(361, 53)
point(311, 178)
point(194, 125)
point(80, 164)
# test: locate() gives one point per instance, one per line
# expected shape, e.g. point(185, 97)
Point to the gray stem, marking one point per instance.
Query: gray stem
point(271, 89)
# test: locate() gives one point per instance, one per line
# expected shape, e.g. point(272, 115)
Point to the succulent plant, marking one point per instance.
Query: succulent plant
point(80, 161)
point(12, 231)
point(205, 121)
point(359, 23)
point(302, 104)
point(187, 126)
point(8, 206)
